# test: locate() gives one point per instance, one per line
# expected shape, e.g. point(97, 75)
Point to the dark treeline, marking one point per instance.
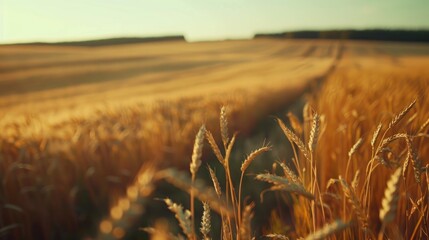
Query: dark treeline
point(110, 41)
point(373, 34)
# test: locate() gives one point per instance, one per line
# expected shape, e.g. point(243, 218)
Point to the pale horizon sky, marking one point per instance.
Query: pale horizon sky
point(60, 20)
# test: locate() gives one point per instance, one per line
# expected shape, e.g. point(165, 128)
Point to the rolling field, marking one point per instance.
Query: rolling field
point(54, 79)
point(81, 127)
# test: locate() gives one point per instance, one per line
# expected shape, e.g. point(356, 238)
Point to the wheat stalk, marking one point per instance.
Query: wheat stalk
point(355, 181)
point(327, 230)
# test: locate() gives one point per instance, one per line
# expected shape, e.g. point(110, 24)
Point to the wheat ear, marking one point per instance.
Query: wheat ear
point(314, 133)
point(391, 198)
point(401, 115)
point(214, 147)
point(215, 182)
point(130, 207)
point(224, 126)
point(294, 139)
point(423, 126)
point(252, 157)
point(354, 201)
point(245, 225)
point(182, 216)
point(375, 135)
point(412, 155)
point(201, 191)
point(295, 123)
point(328, 230)
point(276, 236)
point(198, 151)
point(290, 174)
point(355, 147)
point(161, 234)
point(206, 222)
point(283, 184)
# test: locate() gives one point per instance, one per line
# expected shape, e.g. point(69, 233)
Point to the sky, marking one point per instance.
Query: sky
point(70, 20)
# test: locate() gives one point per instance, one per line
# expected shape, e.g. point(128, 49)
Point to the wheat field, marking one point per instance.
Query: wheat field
point(91, 138)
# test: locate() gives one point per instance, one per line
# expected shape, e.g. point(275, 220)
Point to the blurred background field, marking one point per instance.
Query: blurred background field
point(94, 134)
point(78, 122)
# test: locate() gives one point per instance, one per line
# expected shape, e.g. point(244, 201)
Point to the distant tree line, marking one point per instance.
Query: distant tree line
point(372, 34)
point(111, 41)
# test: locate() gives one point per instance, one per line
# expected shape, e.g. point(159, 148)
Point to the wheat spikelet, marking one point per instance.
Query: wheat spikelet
point(201, 191)
point(224, 126)
point(214, 147)
point(183, 216)
point(375, 135)
point(215, 182)
point(283, 184)
point(252, 156)
point(291, 175)
point(327, 230)
point(412, 155)
point(276, 236)
point(391, 198)
point(295, 139)
point(401, 115)
point(355, 147)
point(198, 151)
point(295, 123)
point(314, 133)
point(354, 201)
point(206, 222)
point(245, 225)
